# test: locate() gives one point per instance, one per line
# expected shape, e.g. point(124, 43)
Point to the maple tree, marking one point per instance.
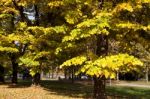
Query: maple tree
point(77, 33)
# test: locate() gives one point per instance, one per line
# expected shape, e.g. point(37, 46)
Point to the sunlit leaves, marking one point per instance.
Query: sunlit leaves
point(90, 27)
point(108, 65)
point(72, 17)
point(56, 3)
point(105, 66)
point(28, 62)
point(21, 26)
point(8, 49)
point(37, 30)
point(41, 54)
point(133, 26)
point(124, 6)
point(3, 16)
point(79, 60)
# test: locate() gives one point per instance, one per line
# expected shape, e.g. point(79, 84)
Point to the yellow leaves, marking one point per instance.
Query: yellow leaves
point(56, 3)
point(21, 38)
point(112, 75)
point(123, 6)
point(59, 49)
point(8, 49)
point(106, 73)
point(5, 2)
point(28, 62)
point(21, 26)
point(138, 6)
point(6, 7)
point(4, 16)
point(79, 60)
point(90, 27)
point(88, 23)
point(41, 54)
point(134, 26)
point(106, 66)
point(38, 30)
point(60, 29)
point(129, 25)
point(143, 1)
point(8, 10)
point(32, 72)
point(72, 17)
point(74, 34)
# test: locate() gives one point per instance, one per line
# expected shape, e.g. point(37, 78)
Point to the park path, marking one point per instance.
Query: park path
point(133, 85)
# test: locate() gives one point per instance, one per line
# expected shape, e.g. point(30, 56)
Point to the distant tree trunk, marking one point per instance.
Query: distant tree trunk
point(36, 79)
point(65, 73)
point(72, 74)
point(117, 76)
point(52, 73)
point(146, 74)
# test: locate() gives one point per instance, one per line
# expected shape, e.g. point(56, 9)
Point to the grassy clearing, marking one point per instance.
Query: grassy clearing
point(65, 90)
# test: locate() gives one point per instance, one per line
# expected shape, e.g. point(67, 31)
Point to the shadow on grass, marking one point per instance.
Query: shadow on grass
point(20, 84)
point(74, 90)
point(132, 92)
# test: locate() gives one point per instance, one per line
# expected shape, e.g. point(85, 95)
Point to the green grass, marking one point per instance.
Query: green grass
point(133, 92)
point(66, 90)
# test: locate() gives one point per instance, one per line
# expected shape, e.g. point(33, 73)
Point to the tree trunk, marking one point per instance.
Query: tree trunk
point(99, 82)
point(2, 70)
point(65, 73)
point(117, 76)
point(146, 74)
point(52, 74)
point(72, 75)
point(15, 71)
point(36, 15)
point(36, 79)
point(99, 88)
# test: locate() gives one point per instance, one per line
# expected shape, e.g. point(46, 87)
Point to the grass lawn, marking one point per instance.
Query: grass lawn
point(65, 90)
point(131, 92)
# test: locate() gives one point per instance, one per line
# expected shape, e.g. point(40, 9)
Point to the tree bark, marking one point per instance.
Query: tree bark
point(72, 74)
point(36, 79)
point(99, 82)
point(146, 74)
point(15, 70)
point(36, 16)
point(2, 70)
point(65, 73)
point(15, 56)
point(99, 87)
